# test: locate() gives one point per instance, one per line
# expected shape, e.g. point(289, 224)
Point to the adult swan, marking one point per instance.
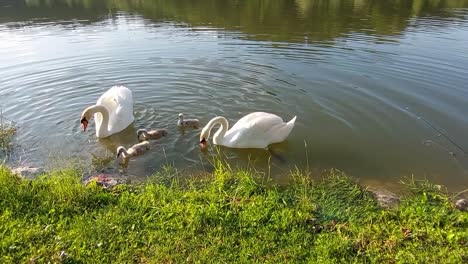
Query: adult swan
point(113, 112)
point(255, 130)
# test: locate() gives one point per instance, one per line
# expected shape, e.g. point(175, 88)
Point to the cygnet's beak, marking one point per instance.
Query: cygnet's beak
point(84, 123)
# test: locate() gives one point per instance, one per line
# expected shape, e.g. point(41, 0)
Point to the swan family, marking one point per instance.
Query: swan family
point(113, 112)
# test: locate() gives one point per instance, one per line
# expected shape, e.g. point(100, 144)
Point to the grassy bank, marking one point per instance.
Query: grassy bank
point(225, 217)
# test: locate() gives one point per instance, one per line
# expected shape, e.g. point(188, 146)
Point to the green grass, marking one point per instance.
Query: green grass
point(227, 216)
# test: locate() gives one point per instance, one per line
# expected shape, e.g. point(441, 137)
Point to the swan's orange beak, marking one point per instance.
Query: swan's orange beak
point(84, 122)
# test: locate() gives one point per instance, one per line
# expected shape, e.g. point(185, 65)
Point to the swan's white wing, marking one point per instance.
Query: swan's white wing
point(256, 130)
point(119, 102)
point(259, 121)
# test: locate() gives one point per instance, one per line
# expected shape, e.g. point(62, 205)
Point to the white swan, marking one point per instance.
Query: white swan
point(255, 130)
point(113, 112)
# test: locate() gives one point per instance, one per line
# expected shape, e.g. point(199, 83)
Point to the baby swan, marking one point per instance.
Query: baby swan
point(143, 134)
point(187, 122)
point(135, 150)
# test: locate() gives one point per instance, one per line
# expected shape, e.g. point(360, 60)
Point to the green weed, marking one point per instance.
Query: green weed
point(7, 132)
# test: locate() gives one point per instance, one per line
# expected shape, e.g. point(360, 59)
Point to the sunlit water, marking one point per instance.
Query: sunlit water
point(380, 90)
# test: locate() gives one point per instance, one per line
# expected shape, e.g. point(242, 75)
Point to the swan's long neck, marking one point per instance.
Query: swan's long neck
point(102, 128)
point(219, 135)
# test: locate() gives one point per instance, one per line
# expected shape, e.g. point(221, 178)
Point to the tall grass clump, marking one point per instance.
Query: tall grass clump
point(225, 216)
point(7, 132)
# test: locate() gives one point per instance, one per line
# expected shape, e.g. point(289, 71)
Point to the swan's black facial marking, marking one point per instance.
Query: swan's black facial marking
point(203, 144)
point(84, 122)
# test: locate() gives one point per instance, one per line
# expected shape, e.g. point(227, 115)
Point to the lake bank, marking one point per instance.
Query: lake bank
point(227, 216)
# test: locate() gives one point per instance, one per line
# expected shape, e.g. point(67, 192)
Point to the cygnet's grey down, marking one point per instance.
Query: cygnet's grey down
point(143, 134)
point(187, 122)
point(133, 151)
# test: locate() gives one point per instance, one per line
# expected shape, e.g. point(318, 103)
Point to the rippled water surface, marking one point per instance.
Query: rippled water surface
point(380, 88)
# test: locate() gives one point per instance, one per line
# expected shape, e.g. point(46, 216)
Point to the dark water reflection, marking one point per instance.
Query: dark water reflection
point(379, 87)
point(273, 20)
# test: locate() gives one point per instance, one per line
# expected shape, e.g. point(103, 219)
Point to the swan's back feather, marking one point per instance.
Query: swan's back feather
point(118, 100)
point(258, 130)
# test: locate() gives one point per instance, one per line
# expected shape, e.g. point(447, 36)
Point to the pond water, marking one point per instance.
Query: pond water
point(379, 87)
